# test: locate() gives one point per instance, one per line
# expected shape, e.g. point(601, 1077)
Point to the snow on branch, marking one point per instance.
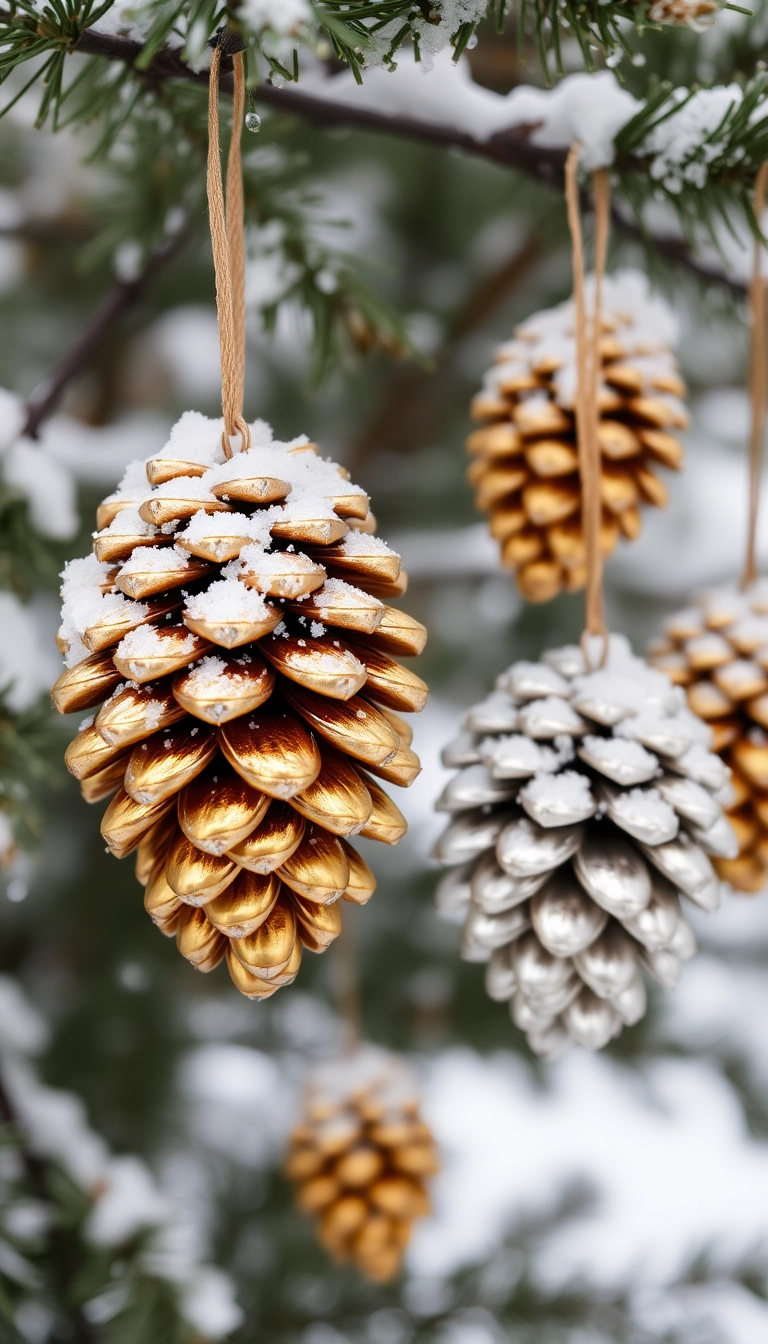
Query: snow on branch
point(370, 34)
point(689, 156)
point(694, 151)
point(365, 35)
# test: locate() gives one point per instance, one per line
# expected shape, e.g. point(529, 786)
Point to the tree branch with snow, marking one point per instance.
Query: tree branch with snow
point(683, 162)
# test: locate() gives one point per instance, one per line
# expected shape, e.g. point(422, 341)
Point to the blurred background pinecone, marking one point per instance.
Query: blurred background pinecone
point(360, 1160)
point(718, 650)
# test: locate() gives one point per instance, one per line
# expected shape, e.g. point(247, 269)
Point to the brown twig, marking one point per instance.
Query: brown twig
point(123, 295)
point(166, 64)
point(414, 394)
point(48, 231)
point(511, 148)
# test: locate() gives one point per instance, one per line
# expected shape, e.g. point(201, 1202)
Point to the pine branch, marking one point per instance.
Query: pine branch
point(365, 33)
point(123, 295)
point(168, 63)
point(510, 149)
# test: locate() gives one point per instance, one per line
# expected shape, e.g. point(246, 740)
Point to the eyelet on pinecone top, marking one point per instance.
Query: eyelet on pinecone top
point(585, 805)
point(525, 467)
point(360, 1159)
point(717, 650)
point(232, 628)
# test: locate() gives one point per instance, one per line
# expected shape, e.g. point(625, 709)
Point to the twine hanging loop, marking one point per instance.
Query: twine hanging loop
point(228, 245)
point(588, 363)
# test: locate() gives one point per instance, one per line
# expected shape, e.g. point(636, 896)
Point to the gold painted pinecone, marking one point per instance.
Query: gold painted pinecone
point(360, 1160)
point(525, 462)
point(233, 624)
point(718, 650)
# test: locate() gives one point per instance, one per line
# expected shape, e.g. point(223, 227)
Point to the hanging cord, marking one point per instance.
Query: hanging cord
point(757, 383)
point(588, 363)
point(228, 244)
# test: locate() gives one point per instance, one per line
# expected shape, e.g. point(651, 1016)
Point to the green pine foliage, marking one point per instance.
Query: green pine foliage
point(50, 1271)
point(30, 749)
point(30, 739)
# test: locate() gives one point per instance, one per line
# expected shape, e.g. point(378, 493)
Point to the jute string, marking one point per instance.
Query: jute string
point(228, 244)
point(588, 333)
point(758, 383)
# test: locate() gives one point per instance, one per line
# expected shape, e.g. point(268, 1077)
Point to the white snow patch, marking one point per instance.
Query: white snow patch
point(27, 665)
point(666, 1152)
point(47, 486)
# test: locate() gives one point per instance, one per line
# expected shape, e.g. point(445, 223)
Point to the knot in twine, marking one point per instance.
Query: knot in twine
point(588, 331)
point(228, 245)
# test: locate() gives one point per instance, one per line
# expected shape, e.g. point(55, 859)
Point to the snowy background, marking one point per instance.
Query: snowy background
point(619, 1197)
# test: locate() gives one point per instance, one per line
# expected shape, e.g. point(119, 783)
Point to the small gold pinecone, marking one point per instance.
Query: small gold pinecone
point(525, 468)
point(718, 650)
point(233, 626)
point(360, 1160)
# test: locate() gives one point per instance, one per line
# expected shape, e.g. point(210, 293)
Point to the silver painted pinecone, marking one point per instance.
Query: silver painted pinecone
point(585, 804)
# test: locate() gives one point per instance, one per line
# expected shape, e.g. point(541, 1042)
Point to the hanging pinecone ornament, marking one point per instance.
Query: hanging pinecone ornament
point(717, 650)
point(525, 464)
point(232, 631)
point(361, 1158)
point(585, 805)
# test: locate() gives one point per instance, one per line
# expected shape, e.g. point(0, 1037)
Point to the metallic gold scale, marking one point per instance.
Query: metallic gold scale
point(242, 751)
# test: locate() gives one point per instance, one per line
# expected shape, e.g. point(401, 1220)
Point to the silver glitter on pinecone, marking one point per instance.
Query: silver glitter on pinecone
point(585, 804)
